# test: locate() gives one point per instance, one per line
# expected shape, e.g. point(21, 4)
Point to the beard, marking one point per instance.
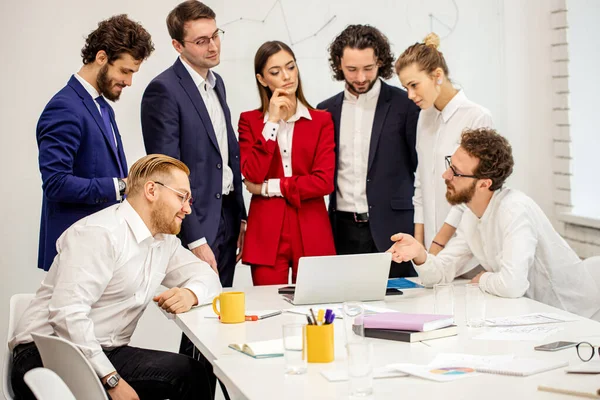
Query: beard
point(104, 84)
point(462, 197)
point(164, 223)
point(362, 91)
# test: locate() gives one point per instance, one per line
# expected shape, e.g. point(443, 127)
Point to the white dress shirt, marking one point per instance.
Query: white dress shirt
point(522, 253)
point(283, 132)
point(438, 135)
point(94, 93)
point(107, 270)
point(356, 126)
point(217, 118)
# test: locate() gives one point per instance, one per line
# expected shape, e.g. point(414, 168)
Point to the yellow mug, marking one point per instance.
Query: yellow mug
point(232, 307)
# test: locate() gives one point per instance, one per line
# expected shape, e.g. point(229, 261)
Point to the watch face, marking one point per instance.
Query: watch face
point(121, 185)
point(113, 380)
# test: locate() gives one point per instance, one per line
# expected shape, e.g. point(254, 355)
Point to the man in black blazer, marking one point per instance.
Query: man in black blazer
point(185, 116)
point(375, 135)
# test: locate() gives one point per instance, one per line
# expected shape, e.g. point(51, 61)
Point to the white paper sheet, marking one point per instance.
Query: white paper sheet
point(528, 332)
point(448, 367)
point(529, 319)
point(381, 372)
point(337, 309)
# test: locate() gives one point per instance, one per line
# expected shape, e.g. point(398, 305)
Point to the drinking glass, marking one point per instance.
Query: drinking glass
point(474, 306)
point(444, 299)
point(294, 348)
point(360, 368)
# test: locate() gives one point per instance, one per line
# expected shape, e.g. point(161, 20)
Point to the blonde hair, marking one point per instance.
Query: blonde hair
point(426, 55)
point(152, 167)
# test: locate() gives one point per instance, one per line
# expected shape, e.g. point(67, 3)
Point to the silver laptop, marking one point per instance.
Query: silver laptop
point(335, 279)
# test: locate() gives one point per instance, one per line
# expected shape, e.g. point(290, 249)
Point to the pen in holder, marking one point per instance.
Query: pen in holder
point(319, 343)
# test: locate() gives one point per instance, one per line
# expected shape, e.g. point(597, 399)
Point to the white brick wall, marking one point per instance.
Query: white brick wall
point(584, 240)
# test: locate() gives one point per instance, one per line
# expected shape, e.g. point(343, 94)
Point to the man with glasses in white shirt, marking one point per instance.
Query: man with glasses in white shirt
point(108, 269)
point(505, 230)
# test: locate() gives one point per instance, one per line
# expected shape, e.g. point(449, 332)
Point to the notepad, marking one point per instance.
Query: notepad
point(522, 367)
point(408, 322)
point(263, 349)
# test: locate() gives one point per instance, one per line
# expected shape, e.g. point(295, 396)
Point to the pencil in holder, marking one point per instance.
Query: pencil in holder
point(319, 343)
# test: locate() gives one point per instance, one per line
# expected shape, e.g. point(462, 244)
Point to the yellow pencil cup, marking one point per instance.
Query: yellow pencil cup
point(319, 343)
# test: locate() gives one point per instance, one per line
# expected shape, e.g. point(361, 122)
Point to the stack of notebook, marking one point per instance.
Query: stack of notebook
point(409, 327)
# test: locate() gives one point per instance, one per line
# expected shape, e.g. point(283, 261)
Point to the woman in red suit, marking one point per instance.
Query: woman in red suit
point(288, 161)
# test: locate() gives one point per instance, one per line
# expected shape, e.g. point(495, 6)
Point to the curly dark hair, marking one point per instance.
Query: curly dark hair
point(494, 154)
point(118, 35)
point(361, 37)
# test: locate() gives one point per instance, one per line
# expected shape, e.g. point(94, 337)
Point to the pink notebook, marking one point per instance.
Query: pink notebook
point(408, 322)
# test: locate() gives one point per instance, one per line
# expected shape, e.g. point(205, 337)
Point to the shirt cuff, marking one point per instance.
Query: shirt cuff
point(270, 131)
point(102, 365)
point(483, 281)
point(454, 216)
point(418, 218)
point(197, 243)
point(427, 271)
point(274, 187)
point(118, 192)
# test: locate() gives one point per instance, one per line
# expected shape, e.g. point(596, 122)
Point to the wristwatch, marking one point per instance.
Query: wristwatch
point(112, 381)
point(122, 186)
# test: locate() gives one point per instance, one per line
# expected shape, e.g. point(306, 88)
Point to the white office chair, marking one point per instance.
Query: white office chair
point(46, 385)
point(64, 358)
point(18, 305)
point(592, 264)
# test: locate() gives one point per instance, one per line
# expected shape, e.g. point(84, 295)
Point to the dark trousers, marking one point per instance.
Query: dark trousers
point(353, 237)
point(224, 247)
point(152, 374)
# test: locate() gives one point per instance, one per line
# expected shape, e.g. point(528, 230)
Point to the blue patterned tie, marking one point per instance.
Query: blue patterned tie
point(108, 124)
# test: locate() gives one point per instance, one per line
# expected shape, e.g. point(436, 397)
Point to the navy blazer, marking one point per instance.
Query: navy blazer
point(78, 164)
point(175, 122)
point(392, 163)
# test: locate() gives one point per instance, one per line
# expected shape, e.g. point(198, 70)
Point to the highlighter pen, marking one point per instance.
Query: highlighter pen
point(320, 316)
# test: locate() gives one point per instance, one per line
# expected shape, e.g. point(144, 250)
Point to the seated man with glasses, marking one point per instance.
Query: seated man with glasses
point(108, 268)
point(505, 230)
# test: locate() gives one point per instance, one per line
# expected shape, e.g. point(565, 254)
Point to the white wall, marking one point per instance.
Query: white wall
point(498, 52)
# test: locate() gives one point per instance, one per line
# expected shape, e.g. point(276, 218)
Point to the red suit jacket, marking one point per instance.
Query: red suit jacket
point(313, 164)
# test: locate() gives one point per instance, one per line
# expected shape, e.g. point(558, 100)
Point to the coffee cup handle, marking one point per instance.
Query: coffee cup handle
point(214, 305)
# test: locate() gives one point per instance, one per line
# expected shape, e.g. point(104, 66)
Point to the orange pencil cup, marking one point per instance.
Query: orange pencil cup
point(319, 343)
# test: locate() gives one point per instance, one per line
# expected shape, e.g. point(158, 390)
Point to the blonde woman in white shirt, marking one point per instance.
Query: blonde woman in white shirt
point(446, 112)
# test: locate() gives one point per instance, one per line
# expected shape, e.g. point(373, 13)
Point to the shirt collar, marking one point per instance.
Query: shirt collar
point(453, 105)
point(137, 224)
point(491, 205)
point(87, 86)
point(199, 81)
point(301, 112)
point(374, 92)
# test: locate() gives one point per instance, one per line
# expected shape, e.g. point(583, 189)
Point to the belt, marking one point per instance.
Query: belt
point(357, 217)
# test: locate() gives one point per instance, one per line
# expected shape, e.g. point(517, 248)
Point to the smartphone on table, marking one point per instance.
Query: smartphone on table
point(555, 346)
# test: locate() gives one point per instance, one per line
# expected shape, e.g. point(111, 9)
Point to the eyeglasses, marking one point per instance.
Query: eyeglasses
point(185, 197)
point(205, 40)
point(449, 165)
point(586, 351)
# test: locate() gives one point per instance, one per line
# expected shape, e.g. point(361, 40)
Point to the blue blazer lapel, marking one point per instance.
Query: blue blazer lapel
point(90, 104)
point(381, 110)
point(120, 149)
point(336, 115)
point(185, 80)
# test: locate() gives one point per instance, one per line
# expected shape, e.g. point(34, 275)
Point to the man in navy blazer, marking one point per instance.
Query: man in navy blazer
point(185, 115)
point(81, 156)
point(375, 134)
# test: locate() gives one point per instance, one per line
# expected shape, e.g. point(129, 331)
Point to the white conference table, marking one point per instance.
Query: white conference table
point(248, 378)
